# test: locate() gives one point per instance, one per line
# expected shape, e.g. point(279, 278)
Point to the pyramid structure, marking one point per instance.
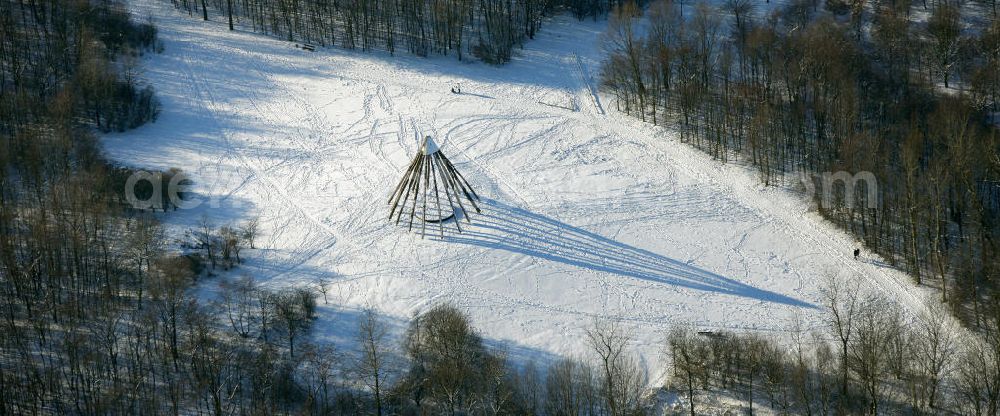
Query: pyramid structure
point(431, 192)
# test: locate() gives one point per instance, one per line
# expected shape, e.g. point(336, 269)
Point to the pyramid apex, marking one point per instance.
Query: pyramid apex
point(429, 146)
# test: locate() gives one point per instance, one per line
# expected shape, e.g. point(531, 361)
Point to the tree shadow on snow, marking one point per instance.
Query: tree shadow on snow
point(516, 230)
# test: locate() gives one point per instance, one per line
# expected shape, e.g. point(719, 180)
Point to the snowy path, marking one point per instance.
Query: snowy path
point(588, 214)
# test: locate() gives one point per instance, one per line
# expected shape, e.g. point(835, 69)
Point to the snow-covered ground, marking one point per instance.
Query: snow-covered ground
point(587, 214)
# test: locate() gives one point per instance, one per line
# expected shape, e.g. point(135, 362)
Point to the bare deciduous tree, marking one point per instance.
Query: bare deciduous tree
point(622, 380)
point(842, 301)
point(374, 355)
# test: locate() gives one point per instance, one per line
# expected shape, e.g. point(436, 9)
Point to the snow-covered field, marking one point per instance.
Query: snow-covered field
point(587, 214)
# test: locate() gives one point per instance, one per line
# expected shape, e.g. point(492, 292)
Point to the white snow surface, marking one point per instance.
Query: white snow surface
point(588, 214)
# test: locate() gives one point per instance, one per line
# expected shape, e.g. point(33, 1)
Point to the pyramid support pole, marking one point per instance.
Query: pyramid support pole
point(452, 167)
point(416, 194)
point(398, 193)
point(404, 181)
point(460, 188)
point(410, 189)
point(447, 188)
point(454, 188)
point(437, 197)
point(423, 224)
point(434, 169)
point(466, 189)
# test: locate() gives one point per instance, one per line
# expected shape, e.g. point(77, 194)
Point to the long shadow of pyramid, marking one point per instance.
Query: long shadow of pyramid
point(505, 227)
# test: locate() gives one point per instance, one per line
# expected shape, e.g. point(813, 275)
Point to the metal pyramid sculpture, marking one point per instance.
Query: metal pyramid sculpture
point(431, 191)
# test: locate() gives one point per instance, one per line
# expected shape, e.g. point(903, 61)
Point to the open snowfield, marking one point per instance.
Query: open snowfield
point(587, 214)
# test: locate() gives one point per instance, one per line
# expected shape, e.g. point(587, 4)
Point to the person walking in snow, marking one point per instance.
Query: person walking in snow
point(857, 252)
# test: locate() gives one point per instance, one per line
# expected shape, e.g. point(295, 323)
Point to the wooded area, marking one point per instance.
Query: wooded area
point(903, 90)
point(98, 310)
point(98, 314)
point(869, 360)
point(486, 29)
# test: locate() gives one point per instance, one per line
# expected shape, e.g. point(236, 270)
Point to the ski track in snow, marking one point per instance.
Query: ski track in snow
point(588, 214)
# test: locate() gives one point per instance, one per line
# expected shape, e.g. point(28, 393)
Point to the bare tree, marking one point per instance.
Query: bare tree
point(145, 243)
point(374, 354)
point(977, 383)
point(529, 386)
point(570, 389)
point(168, 289)
point(240, 303)
point(623, 381)
point(323, 286)
point(443, 350)
point(294, 311)
point(876, 326)
point(688, 364)
point(497, 395)
point(943, 31)
point(842, 302)
point(229, 13)
point(935, 346)
point(320, 363)
point(207, 239)
point(249, 231)
point(621, 39)
point(229, 246)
